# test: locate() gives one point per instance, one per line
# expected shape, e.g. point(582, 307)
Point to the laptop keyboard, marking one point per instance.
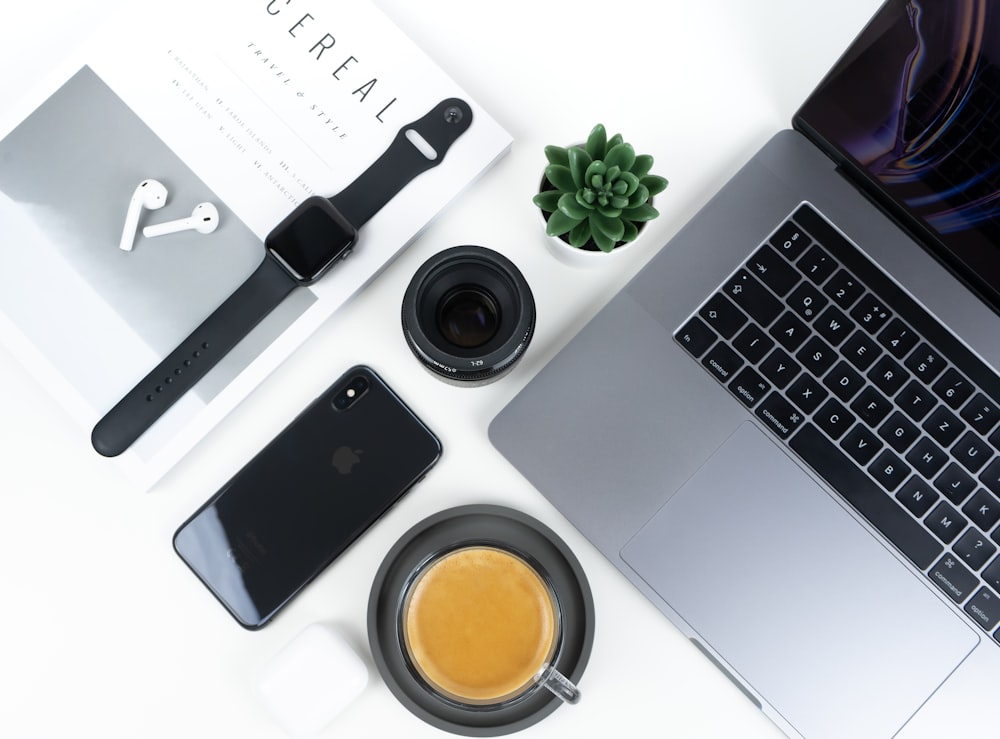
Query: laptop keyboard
point(872, 392)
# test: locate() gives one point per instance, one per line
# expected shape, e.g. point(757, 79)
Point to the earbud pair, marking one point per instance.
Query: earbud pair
point(152, 195)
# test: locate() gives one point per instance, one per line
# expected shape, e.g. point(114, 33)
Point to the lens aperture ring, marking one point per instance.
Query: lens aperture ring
point(506, 297)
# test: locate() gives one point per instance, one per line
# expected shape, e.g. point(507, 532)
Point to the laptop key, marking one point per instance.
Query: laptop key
point(833, 418)
point(898, 338)
point(749, 387)
point(981, 413)
point(780, 368)
point(871, 314)
point(945, 522)
point(917, 496)
point(953, 388)
point(992, 574)
point(807, 301)
point(843, 289)
point(806, 393)
point(871, 406)
point(773, 270)
point(888, 375)
point(984, 609)
point(972, 452)
point(790, 241)
point(790, 331)
point(779, 415)
point(860, 491)
point(983, 509)
point(974, 548)
point(955, 483)
point(925, 363)
point(926, 457)
point(843, 381)
point(916, 400)
point(943, 426)
point(953, 578)
point(816, 264)
point(861, 444)
point(722, 362)
point(753, 343)
point(722, 315)
point(696, 336)
point(889, 470)
point(833, 325)
point(991, 476)
point(899, 432)
point(816, 356)
point(753, 297)
point(861, 351)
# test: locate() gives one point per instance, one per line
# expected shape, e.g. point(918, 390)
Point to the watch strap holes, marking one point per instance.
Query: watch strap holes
point(421, 144)
point(159, 389)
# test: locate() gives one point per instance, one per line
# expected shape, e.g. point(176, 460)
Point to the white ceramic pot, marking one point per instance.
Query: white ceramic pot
point(582, 257)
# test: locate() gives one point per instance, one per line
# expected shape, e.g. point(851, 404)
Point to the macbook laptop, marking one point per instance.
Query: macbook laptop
point(784, 430)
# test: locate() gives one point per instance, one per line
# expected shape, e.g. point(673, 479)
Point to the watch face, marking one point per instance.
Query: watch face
point(311, 239)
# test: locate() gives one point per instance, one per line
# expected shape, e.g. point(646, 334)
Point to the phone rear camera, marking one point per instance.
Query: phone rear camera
point(350, 394)
point(468, 314)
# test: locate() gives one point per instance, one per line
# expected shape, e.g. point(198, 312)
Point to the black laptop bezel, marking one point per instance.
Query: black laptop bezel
point(817, 119)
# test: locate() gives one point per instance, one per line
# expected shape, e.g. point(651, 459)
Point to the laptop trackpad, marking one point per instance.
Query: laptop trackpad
point(805, 605)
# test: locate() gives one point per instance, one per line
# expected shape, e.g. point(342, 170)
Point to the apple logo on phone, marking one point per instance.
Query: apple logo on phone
point(345, 458)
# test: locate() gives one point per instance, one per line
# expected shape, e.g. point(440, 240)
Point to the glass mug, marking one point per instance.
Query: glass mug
point(480, 627)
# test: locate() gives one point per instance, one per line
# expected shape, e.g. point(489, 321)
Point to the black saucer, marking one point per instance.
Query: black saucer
point(476, 523)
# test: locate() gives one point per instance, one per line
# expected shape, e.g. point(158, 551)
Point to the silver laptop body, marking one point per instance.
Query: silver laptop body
point(686, 481)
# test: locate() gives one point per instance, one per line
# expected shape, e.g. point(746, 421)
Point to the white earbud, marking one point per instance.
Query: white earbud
point(204, 219)
point(151, 195)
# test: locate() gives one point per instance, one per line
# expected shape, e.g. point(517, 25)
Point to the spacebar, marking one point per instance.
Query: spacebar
point(868, 498)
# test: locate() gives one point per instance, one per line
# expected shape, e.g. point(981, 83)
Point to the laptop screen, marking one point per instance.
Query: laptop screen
point(913, 109)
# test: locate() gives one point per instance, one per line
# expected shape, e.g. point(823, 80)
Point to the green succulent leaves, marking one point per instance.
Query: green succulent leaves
point(601, 191)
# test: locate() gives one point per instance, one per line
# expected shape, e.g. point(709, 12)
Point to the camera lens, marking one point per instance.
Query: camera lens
point(468, 314)
point(468, 317)
point(351, 394)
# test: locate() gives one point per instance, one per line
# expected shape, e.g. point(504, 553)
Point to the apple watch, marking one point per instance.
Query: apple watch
point(300, 250)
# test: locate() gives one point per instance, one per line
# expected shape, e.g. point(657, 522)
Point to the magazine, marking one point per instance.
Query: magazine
point(252, 107)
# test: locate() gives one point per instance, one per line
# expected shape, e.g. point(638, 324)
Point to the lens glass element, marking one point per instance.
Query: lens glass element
point(468, 316)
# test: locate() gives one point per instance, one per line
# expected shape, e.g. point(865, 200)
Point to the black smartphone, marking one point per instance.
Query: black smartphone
point(300, 502)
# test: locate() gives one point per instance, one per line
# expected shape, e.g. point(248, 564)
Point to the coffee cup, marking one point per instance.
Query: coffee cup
point(481, 627)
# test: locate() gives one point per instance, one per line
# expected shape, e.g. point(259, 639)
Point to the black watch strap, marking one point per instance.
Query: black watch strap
point(197, 354)
point(417, 147)
point(404, 160)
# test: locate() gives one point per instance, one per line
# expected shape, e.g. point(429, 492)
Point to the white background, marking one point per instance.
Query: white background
point(103, 631)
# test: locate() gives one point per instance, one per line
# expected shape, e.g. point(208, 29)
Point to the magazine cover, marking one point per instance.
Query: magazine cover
point(248, 107)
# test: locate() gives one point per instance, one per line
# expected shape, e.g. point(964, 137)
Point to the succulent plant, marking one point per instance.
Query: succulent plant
point(599, 191)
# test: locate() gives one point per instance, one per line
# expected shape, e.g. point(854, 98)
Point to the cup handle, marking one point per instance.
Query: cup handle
point(559, 684)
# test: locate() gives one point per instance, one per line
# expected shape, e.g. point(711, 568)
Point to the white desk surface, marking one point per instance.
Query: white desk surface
point(104, 632)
